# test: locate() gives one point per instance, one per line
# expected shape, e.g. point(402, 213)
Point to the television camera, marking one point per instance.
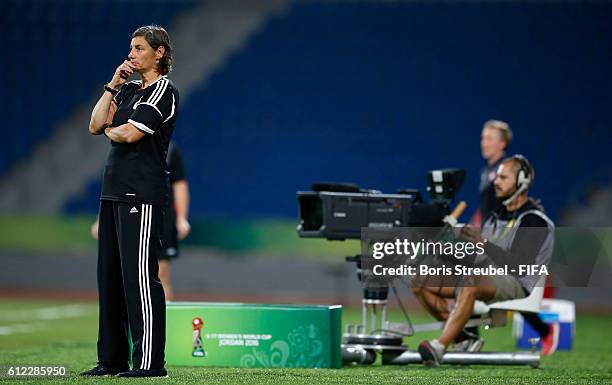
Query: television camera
point(339, 211)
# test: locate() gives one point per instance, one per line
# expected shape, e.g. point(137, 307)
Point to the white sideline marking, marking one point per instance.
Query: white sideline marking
point(22, 328)
point(37, 315)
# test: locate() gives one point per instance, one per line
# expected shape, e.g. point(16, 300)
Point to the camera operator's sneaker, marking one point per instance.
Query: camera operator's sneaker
point(470, 345)
point(105, 370)
point(468, 341)
point(431, 352)
point(551, 340)
point(144, 373)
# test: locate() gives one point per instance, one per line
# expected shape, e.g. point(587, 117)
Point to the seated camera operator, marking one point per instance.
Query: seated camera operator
point(518, 233)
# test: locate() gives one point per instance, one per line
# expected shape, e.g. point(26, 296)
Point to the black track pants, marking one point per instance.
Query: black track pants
point(129, 289)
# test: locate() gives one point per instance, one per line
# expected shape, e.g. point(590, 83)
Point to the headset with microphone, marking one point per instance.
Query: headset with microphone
point(524, 177)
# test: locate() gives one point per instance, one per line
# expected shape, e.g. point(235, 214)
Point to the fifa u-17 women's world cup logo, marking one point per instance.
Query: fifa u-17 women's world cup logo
point(198, 343)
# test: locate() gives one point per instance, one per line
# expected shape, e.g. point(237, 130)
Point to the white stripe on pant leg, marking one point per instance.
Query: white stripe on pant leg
point(148, 291)
point(141, 282)
point(140, 275)
point(145, 304)
point(145, 262)
point(147, 324)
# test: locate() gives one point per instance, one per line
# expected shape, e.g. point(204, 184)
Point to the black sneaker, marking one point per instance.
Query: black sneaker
point(429, 355)
point(144, 373)
point(105, 370)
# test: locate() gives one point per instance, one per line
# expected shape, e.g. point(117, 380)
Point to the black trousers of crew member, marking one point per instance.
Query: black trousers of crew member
point(128, 285)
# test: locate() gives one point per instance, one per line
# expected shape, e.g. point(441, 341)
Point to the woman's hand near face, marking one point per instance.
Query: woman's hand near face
point(122, 74)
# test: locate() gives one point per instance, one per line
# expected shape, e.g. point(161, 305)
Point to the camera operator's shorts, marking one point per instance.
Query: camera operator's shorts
point(507, 287)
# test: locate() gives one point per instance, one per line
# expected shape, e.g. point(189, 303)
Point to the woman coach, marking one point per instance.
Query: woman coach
point(138, 117)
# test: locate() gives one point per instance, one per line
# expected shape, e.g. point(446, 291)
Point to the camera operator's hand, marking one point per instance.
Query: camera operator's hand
point(122, 74)
point(472, 234)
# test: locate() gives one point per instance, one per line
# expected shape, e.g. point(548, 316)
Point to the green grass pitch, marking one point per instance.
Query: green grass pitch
point(31, 332)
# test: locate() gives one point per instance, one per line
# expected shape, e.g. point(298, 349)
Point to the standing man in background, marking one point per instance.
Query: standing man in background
point(176, 225)
point(495, 138)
